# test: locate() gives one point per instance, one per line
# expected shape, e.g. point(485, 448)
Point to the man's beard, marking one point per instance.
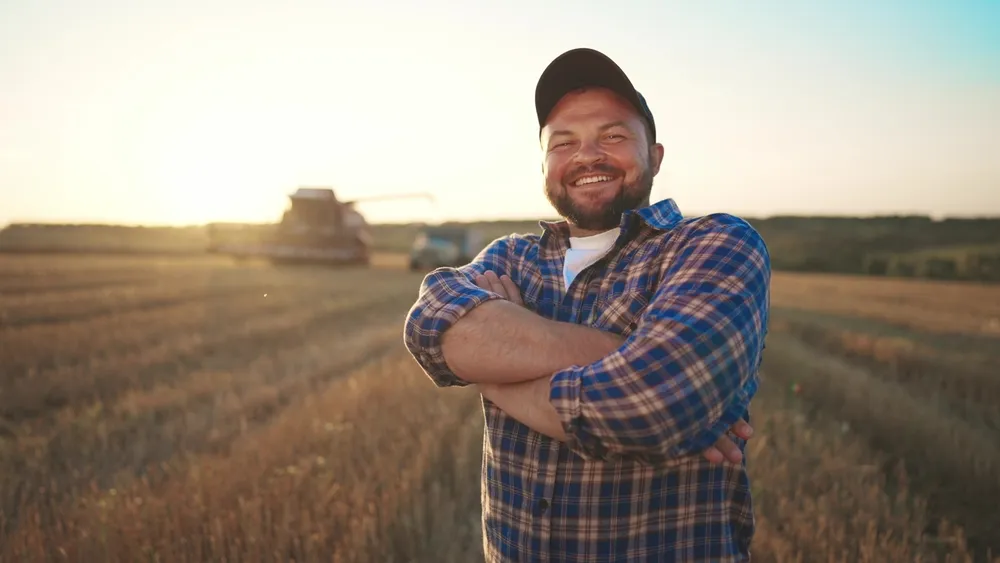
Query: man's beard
point(630, 196)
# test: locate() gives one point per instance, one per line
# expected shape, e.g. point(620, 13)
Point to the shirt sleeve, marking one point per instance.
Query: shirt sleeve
point(445, 296)
point(689, 369)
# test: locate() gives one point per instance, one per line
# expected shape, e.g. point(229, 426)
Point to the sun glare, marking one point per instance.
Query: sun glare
point(229, 163)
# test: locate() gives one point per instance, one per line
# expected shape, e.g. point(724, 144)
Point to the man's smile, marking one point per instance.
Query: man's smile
point(594, 182)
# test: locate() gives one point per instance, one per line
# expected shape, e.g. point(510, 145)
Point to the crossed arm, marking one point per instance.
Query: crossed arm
point(681, 380)
point(511, 353)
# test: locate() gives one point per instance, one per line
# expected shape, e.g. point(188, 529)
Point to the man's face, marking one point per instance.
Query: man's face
point(598, 160)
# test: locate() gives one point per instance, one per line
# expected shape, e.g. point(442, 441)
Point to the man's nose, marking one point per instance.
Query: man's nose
point(589, 152)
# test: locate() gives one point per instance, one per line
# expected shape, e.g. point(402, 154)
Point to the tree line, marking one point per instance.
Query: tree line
point(900, 246)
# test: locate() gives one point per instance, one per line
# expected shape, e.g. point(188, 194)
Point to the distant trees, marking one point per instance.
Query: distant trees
point(904, 246)
point(907, 246)
point(974, 263)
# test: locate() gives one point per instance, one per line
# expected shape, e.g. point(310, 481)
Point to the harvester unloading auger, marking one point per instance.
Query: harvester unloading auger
point(316, 227)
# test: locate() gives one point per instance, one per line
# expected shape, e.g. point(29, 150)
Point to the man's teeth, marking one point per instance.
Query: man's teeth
point(592, 180)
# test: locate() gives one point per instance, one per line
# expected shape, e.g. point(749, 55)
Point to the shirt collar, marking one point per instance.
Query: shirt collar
point(662, 215)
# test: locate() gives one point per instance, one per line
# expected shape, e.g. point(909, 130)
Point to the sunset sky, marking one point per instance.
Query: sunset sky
point(185, 112)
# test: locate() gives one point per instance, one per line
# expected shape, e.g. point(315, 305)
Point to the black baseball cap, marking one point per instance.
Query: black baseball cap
point(581, 67)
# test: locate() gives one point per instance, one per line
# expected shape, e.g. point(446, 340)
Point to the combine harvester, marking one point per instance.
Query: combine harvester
point(316, 228)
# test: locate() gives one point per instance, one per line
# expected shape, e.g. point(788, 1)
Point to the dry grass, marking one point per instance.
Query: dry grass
point(957, 464)
point(331, 478)
point(821, 493)
point(166, 410)
point(911, 367)
point(931, 306)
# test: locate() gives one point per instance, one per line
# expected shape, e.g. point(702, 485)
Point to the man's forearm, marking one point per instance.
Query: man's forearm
point(500, 342)
point(528, 403)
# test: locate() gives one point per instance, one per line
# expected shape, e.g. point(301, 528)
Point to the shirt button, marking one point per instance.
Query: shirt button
point(543, 505)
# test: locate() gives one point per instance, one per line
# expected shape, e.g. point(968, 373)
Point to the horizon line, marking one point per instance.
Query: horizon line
point(513, 219)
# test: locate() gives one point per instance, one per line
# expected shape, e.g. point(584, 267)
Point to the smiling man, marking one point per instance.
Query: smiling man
point(616, 353)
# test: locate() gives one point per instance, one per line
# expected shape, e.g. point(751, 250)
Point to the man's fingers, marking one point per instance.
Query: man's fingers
point(742, 429)
point(502, 285)
point(513, 294)
point(714, 455)
point(729, 449)
point(494, 285)
point(484, 283)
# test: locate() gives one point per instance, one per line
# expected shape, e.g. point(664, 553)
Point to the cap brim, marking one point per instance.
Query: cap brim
point(576, 69)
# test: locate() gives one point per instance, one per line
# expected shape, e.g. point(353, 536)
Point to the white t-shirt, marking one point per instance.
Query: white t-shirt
point(584, 251)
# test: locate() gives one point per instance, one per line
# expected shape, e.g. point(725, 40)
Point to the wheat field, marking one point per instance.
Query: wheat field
point(194, 409)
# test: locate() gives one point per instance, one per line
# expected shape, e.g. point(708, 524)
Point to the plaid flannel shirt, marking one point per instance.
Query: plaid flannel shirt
point(691, 297)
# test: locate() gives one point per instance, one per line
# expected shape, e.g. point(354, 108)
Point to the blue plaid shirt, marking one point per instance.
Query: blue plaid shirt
point(691, 296)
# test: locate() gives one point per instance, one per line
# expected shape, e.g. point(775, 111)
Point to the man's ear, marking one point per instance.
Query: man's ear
point(655, 158)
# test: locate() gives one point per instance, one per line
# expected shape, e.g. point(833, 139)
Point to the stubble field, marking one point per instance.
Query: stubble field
point(194, 409)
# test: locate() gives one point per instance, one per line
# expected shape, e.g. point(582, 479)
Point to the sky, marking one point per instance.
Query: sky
point(186, 112)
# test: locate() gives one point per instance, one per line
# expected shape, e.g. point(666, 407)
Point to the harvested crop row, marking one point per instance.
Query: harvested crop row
point(102, 445)
point(188, 392)
point(966, 386)
point(33, 350)
point(931, 306)
point(333, 478)
point(54, 273)
point(955, 464)
point(107, 376)
point(173, 287)
point(820, 493)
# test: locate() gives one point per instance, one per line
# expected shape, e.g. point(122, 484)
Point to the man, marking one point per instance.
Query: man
point(613, 352)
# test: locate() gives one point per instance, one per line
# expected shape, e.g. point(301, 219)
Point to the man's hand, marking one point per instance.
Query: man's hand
point(723, 450)
point(500, 284)
point(727, 450)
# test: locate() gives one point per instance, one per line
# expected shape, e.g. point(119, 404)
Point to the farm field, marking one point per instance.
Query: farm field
point(193, 409)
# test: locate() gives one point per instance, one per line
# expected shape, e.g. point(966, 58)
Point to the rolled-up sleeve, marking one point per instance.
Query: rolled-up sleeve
point(689, 369)
point(445, 296)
